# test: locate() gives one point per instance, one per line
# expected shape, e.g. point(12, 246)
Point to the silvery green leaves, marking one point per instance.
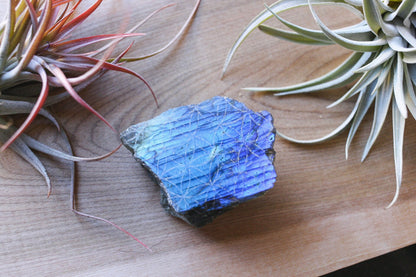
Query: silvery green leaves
point(41, 65)
point(382, 64)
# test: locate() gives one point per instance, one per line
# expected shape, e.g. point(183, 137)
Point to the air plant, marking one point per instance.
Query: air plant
point(40, 65)
point(382, 65)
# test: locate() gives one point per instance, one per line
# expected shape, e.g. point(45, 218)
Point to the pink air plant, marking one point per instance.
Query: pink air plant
point(35, 48)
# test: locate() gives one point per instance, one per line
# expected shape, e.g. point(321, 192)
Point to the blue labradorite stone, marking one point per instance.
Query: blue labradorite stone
point(207, 158)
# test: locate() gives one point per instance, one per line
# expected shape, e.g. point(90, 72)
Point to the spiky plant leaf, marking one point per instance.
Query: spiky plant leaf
point(46, 55)
point(383, 64)
point(35, 47)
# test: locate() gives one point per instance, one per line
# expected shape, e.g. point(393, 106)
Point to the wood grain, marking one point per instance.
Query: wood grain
point(324, 213)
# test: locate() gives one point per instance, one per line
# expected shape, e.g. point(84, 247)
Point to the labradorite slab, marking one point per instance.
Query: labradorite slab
point(207, 158)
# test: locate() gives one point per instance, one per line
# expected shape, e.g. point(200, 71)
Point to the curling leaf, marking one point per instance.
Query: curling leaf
point(36, 108)
point(385, 54)
point(363, 106)
point(388, 33)
point(360, 46)
point(34, 50)
point(359, 31)
point(38, 146)
point(398, 87)
point(24, 151)
point(290, 36)
point(343, 74)
point(361, 84)
point(410, 96)
point(398, 137)
point(277, 7)
point(383, 99)
point(332, 134)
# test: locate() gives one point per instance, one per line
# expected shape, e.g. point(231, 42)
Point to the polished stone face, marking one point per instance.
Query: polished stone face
point(206, 158)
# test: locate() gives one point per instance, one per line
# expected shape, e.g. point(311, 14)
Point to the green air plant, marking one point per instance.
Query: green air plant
point(382, 65)
point(40, 65)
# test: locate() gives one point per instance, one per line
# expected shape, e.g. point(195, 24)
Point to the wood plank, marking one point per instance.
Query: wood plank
point(325, 212)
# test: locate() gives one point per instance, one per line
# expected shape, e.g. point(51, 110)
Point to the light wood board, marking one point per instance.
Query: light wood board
point(324, 213)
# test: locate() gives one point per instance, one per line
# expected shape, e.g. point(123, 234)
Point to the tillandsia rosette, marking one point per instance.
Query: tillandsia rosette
point(40, 65)
point(382, 65)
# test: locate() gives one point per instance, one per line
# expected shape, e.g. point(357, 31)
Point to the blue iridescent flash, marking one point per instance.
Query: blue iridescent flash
point(206, 158)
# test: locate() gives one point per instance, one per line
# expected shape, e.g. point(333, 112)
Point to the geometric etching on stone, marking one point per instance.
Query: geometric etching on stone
point(207, 158)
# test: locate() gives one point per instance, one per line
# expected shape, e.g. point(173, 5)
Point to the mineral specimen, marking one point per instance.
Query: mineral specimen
point(207, 158)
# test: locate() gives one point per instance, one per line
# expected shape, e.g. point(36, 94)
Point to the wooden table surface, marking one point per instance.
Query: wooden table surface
point(324, 213)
